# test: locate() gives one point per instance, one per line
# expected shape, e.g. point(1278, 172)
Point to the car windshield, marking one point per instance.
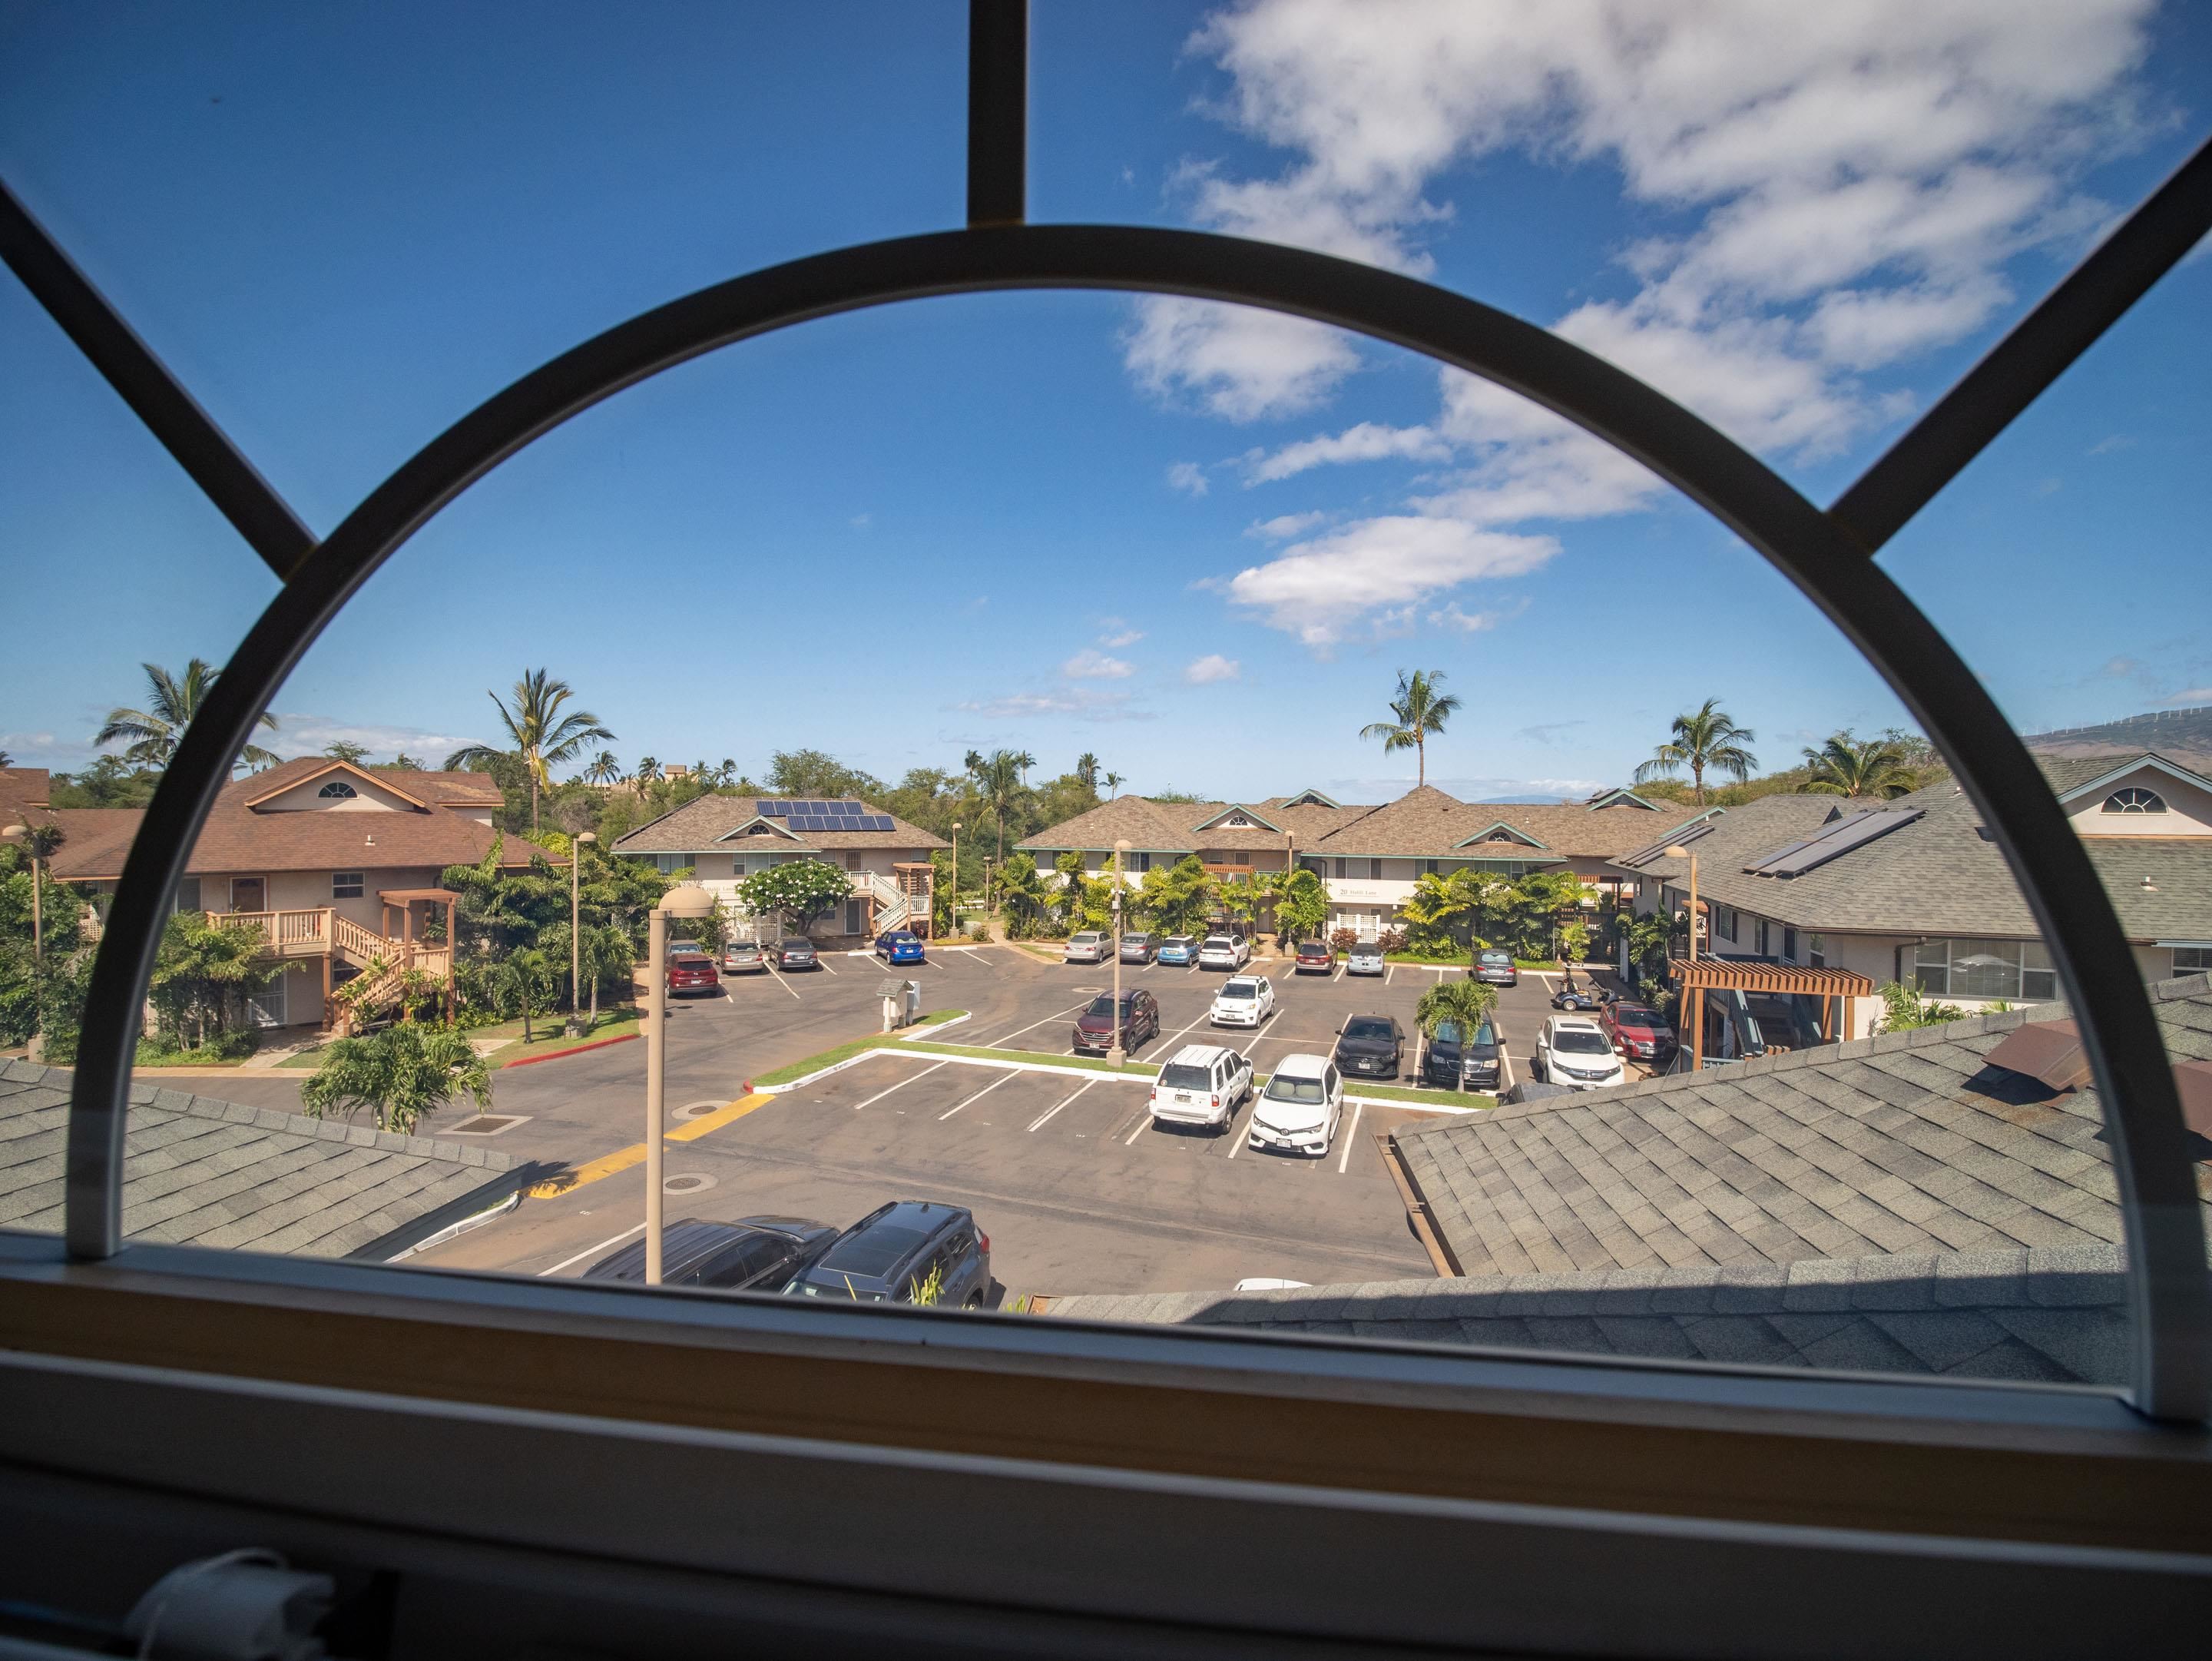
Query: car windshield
point(1083, 940)
point(1178, 940)
point(1182, 1076)
point(1485, 1034)
point(1315, 947)
point(1135, 940)
point(1497, 957)
point(1580, 1041)
point(1213, 941)
point(1240, 989)
point(1446, 1032)
point(1369, 1028)
point(1103, 1004)
point(1306, 1091)
point(1637, 1017)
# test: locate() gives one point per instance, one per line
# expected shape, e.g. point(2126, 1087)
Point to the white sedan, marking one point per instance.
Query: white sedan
point(1299, 1111)
point(1243, 1000)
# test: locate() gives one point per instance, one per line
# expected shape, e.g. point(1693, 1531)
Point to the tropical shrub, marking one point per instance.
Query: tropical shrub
point(1903, 1008)
point(401, 1075)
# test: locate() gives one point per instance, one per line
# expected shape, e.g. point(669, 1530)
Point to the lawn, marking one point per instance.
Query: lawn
point(846, 1051)
point(616, 1023)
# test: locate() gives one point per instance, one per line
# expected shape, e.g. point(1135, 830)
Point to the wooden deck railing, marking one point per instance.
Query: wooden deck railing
point(286, 934)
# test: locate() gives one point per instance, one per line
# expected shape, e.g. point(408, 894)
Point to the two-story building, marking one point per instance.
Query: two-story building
point(1368, 857)
point(1915, 891)
point(339, 866)
point(722, 840)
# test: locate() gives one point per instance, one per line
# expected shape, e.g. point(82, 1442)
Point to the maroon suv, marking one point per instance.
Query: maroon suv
point(1315, 954)
point(1140, 1019)
point(693, 972)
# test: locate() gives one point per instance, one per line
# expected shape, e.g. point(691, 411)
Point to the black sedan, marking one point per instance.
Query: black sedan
point(756, 1254)
point(1370, 1047)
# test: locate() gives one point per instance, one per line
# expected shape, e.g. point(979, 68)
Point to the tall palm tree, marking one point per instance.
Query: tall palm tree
point(1086, 769)
point(1022, 762)
point(1704, 741)
point(1845, 767)
point(543, 738)
point(648, 768)
point(1113, 782)
point(603, 768)
point(1001, 780)
point(154, 731)
point(1418, 711)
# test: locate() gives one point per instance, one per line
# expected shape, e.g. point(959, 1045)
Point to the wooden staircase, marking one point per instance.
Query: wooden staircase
point(322, 932)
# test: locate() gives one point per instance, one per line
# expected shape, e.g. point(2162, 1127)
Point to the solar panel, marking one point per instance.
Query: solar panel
point(1643, 856)
point(1837, 838)
point(877, 822)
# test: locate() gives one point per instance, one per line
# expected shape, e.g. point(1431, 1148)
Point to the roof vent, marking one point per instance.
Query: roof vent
point(2049, 1052)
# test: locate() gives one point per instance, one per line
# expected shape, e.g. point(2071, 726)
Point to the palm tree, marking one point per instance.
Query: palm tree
point(1022, 762)
point(1113, 782)
point(1418, 711)
point(154, 731)
point(401, 1075)
point(1844, 767)
point(6, 760)
point(603, 768)
point(1086, 769)
point(648, 768)
point(1706, 739)
point(1001, 778)
point(1466, 1003)
point(543, 738)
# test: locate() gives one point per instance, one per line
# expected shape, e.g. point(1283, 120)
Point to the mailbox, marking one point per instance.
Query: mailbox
point(902, 1002)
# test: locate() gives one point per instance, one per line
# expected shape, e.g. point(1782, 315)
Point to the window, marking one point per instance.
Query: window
point(345, 884)
point(188, 894)
point(2193, 959)
point(1816, 951)
point(670, 864)
point(853, 859)
point(1139, 863)
point(1789, 944)
point(338, 790)
point(1339, 869)
point(1375, 870)
point(1428, 868)
point(1985, 969)
point(1725, 921)
point(2134, 800)
point(1759, 936)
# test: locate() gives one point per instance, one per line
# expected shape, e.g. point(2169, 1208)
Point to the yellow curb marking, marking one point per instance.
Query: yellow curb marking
point(608, 1165)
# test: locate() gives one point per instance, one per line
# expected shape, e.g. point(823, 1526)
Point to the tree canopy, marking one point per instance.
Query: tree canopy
point(401, 1075)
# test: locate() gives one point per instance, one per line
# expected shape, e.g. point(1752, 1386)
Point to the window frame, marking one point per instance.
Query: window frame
point(2147, 801)
point(338, 790)
point(349, 885)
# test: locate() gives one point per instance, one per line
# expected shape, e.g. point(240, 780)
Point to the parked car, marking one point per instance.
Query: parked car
point(794, 953)
point(686, 949)
point(1202, 1084)
point(889, 1255)
point(1370, 1046)
point(1495, 968)
point(692, 972)
point(899, 946)
point(1231, 951)
point(1180, 949)
point(1299, 1111)
point(1140, 1020)
point(1573, 1050)
point(1315, 955)
point(1636, 1030)
point(1136, 947)
point(754, 1254)
point(1243, 1000)
point(1366, 959)
point(744, 957)
point(1451, 1062)
point(1087, 946)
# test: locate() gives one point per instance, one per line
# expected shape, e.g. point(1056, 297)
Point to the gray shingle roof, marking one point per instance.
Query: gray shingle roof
point(1173, 826)
point(1888, 1205)
point(700, 824)
point(200, 1171)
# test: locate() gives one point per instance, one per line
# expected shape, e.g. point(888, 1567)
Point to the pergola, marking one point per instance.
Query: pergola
point(1694, 978)
point(406, 899)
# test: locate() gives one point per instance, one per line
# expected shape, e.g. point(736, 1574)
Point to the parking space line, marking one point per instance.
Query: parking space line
point(1056, 1015)
point(1202, 1019)
point(901, 1085)
point(1236, 1136)
point(776, 975)
point(591, 1251)
point(823, 966)
point(1390, 974)
point(979, 1095)
point(1358, 1108)
point(1063, 1102)
point(1144, 1123)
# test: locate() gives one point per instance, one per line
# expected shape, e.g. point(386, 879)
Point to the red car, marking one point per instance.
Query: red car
point(1315, 954)
point(693, 972)
point(1638, 1031)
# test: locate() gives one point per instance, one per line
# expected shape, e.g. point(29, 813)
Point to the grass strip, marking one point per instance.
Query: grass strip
point(846, 1051)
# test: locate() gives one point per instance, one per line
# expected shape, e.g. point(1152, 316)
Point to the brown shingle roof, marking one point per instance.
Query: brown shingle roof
point(1425, 823)
point(21, 789)
point(700, 824)
point(238, 838)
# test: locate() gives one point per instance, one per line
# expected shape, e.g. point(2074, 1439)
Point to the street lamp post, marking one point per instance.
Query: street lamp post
point(952, 909)
point(689, 901)
point(1117, 1057)
point(1692, 1014)
point(576, 935)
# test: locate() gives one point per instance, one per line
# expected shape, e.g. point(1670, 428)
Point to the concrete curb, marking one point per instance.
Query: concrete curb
point(921, 1034)
point(573, 1049)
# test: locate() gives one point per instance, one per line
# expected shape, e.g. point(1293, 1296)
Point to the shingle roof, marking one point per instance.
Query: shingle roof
point(1173, 826)
point(21, 788)
point(1888, 1205)
point(238, 838)
point(200, 1171)
point(1940, 874)
point(704, 821)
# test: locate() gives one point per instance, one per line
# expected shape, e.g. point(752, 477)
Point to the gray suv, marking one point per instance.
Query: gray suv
point(892, 1254)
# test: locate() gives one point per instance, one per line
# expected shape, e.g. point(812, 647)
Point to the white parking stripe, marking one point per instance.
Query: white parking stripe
point(1173, 1036)
point(823, 966)
point(1063, 1102)
point(591, 1251)
point(978, 1096)
point(777, 975)
point(1057, 1015)
point(1144, 1124)
point(901, 1085)
point(1390, 974)
point(1358, 1108)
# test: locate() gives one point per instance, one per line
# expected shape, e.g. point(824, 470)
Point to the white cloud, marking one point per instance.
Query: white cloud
point(861, 521)
point(1367, 441)
point(299, 733)
point(1188, 476)
point(1081, 702)
point(2193, 695)
point(1315, 589)
point(1213, 668)
point(1118, 634)
point(1468, 622)
point(1232, 361)
point(2105, 447)
point(1283, 526)
point(1092, 665)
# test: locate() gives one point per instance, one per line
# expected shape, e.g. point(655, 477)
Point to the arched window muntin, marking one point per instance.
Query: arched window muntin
point(2134, 800)
point(338, 790)
point(1826, 555)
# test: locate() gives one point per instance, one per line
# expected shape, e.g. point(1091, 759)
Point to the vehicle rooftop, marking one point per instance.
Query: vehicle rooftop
point(1301, 1066)
point(1575, 1023)
point(1199, 1055)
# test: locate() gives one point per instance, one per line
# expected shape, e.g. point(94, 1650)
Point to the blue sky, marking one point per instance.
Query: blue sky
point(1199, 543)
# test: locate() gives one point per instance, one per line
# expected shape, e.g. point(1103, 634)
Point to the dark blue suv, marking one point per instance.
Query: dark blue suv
point(909, 1251)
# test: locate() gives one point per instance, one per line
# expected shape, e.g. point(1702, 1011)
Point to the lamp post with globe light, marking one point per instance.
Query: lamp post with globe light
point(1117, 1057)
point(688, 902)
point(575, 1026)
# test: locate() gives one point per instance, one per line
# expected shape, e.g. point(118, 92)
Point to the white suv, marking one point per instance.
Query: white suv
point(1201, 1085)
point(1225, 951)
point(1088, 945)
point(1243, 1000)
point(1573, 1050)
